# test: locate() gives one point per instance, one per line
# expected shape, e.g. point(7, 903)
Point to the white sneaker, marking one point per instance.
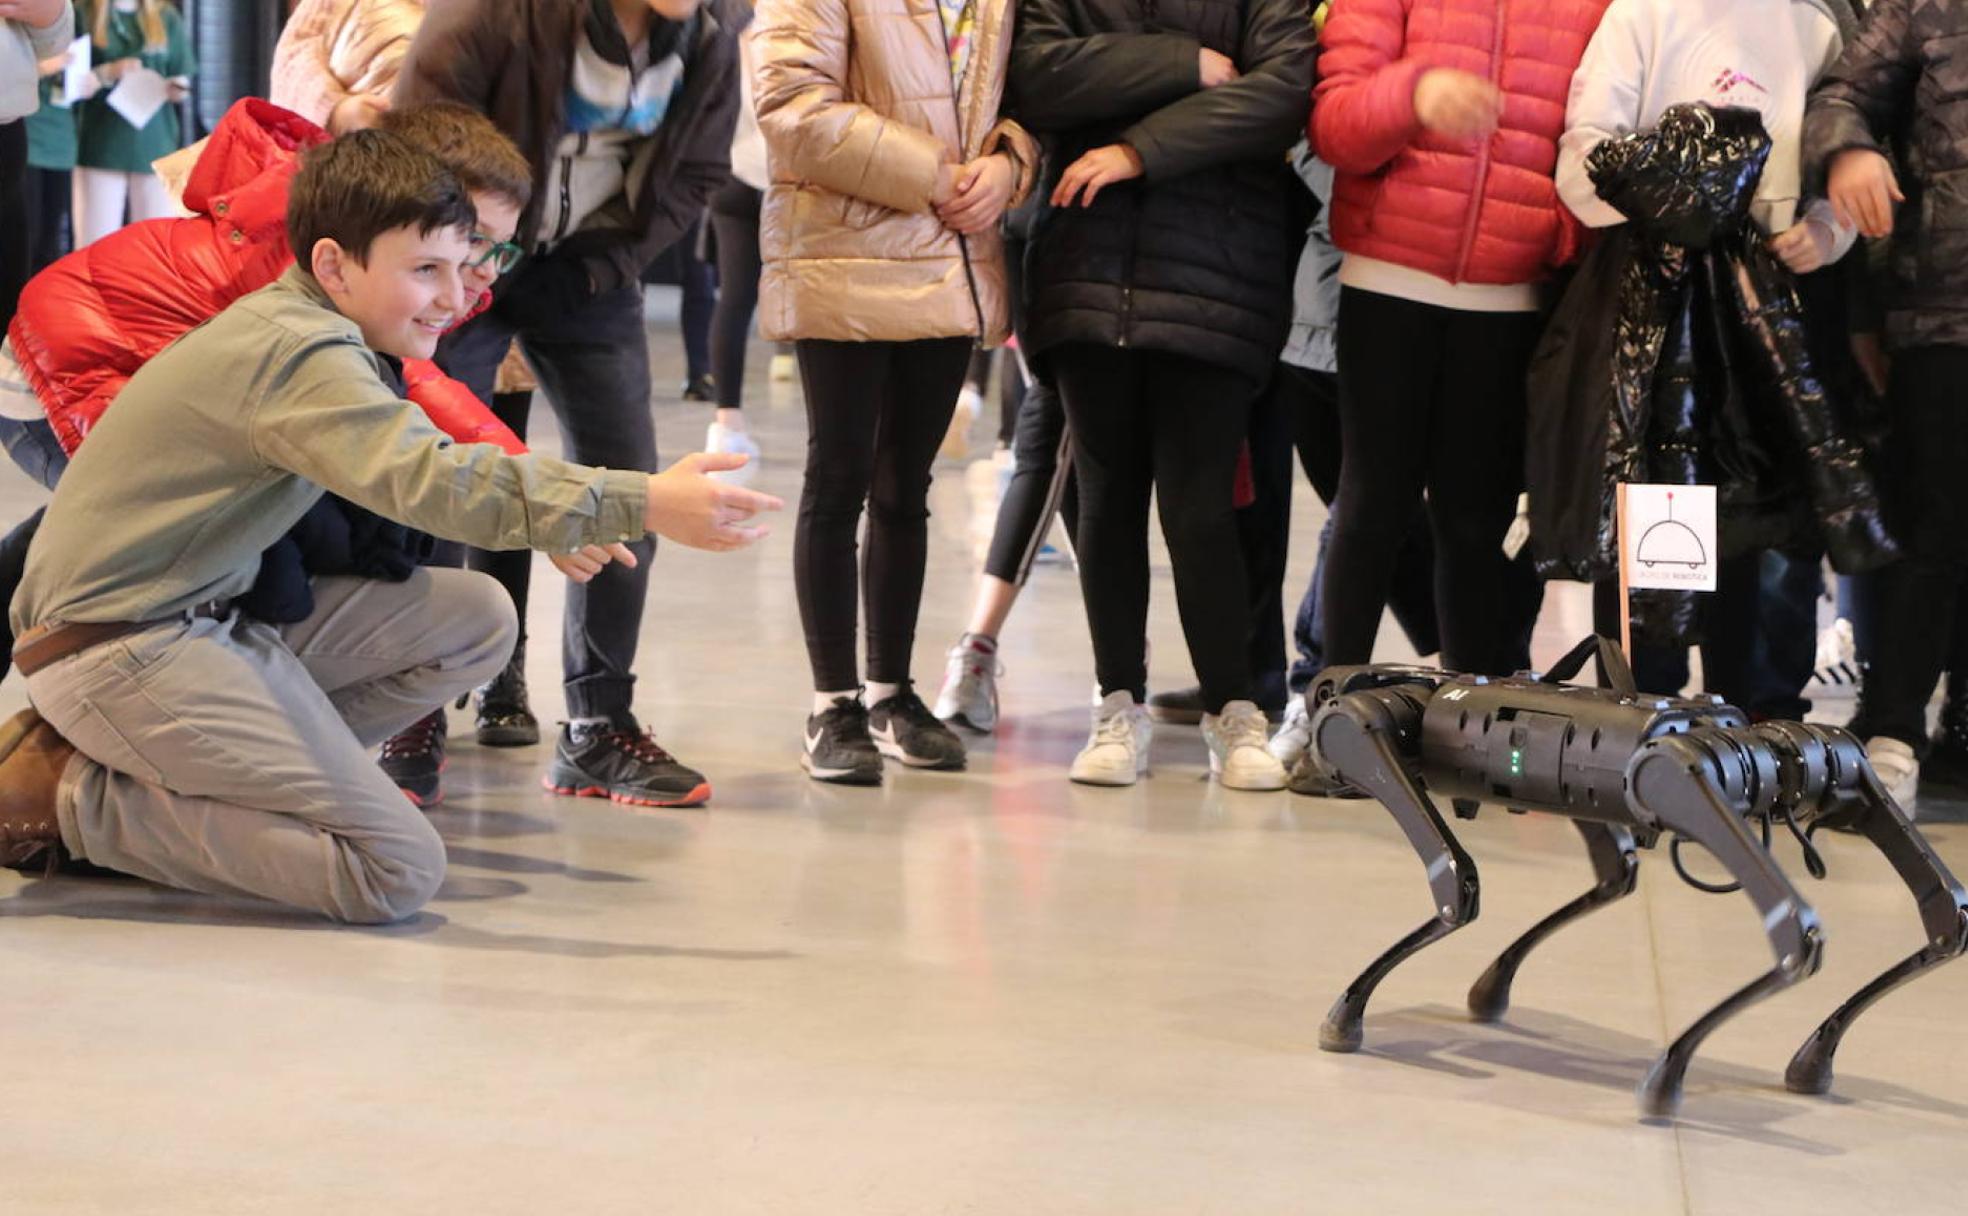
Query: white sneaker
point(1294, 734)
point(1117, 752)
point(1898, 769)
point(1238, 758)
point(784, 369)
point(721, 438)
point(970, 687)
point(956, 440)
point(1838, 656)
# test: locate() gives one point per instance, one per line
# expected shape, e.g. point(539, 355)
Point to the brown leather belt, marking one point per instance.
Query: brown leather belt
point(46, 644)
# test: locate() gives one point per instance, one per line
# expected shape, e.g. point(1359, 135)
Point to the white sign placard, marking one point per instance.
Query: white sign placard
point(1670, 537)
point(76, 81)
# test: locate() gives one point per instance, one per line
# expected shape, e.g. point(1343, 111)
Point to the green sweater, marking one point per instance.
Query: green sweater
point(51, 132)
point(219, 445)
point(105, 140)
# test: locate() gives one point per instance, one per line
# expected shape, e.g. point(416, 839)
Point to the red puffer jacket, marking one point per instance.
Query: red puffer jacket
point(88, 322)
point(1468, 214)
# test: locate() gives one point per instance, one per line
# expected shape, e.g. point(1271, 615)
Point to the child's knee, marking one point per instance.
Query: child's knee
point(401, 874)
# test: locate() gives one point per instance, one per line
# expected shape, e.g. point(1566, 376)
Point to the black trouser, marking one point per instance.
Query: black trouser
point(1919, 598)
point(1300, 411)
point(735, 221)
point(48, 195)
point(1152, 421)
point(700, 292)
point(594, 365)
point(1041, 485)
point(512, 568)
point(15, 221)
point(1760, 636)
point(1430, 399)
point(875, 413)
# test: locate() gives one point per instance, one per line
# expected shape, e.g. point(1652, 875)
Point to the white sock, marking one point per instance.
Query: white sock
point(824, 701)
point(879, 692)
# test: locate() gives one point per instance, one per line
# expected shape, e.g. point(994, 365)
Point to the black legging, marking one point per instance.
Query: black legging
point(14, 219)
point(1430, 399)
point(1041, 486)
point(511, 568)
point(735, 222)
point(1153, 421)
point(48, 194)
point(875, 413)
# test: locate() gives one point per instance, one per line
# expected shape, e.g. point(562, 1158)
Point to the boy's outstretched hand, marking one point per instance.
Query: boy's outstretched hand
point(586, 562)
point(691, 509)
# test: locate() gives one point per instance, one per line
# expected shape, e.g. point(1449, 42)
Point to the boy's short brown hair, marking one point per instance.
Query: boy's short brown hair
point(476, 151)
point(353, 189)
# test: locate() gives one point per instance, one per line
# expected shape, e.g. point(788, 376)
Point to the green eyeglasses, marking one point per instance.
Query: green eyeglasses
point(501, 257)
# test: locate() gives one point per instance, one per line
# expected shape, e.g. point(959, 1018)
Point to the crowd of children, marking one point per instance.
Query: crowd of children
point(1244, 231)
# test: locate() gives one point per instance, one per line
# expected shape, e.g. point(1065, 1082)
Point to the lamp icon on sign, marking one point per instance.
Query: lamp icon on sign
point(1670, 543)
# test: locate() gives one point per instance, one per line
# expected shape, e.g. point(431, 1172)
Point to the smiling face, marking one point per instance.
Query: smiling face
point(406, 293)
point(498, 221)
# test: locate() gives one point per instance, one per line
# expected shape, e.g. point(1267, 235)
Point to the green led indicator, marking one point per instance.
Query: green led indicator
point(1516, 763)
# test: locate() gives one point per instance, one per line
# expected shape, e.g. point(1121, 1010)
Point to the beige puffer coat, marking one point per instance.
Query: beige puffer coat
point(854, 98)
point(333, 49)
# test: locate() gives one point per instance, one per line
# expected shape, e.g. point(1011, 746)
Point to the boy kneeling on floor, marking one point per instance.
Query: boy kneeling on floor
point(179, 741)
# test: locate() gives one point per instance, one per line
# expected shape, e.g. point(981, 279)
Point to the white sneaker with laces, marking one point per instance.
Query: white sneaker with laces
point(1294, 734)
point(1898, 769)
point(970, 687)
point(1838, 656)
point(1238, 757)
point(721, 438)
point(1117, 752)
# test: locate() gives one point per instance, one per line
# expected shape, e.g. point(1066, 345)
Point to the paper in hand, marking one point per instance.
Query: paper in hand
point(76, 83)
point(139, 95)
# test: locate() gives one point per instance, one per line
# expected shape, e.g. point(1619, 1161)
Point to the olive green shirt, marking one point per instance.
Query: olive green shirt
point(222, 442)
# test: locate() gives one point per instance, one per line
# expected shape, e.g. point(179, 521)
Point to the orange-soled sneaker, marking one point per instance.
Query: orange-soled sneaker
point(414, 759)
point(620, 761)
point(32, 757)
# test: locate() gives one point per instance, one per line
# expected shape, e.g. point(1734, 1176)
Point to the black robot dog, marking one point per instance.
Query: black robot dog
point(1627, 769)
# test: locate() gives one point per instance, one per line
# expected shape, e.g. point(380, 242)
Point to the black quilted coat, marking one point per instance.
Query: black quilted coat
point(1197, 255)
point(1903, 81)
point(1679, 357)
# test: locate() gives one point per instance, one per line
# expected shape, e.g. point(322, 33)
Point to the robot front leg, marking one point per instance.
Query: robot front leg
point(1361, 738)
point(1674, 783)
point(1943, 914)
point(1616, 870)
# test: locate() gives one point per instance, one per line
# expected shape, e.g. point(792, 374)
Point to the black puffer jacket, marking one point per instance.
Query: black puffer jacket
point(1904, 81)
point(1679, 357)
point(1196, 255)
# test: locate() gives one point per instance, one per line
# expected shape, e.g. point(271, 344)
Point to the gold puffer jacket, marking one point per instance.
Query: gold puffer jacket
point(333, 49)
point(854, 98)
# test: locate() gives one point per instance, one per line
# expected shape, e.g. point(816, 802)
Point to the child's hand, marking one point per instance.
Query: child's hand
point(1457, 105)
point(113, 71)
point(357, 112)
point(1216, 68)
point(983, 190)
point(1098, 168)
point(1863, 191)
point(691, 509)
point(586, 562)
point(1804, 247)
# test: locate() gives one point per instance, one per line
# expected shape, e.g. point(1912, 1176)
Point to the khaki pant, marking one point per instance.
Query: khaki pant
point(233, 757)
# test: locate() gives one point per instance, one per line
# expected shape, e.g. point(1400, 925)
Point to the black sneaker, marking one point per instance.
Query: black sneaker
point(1947, 761)
point(904, 729)
point(504, 717)
point(415, 758)
point(1310, 778)
point(623, 763)
point(699, 388)
point(838, 746)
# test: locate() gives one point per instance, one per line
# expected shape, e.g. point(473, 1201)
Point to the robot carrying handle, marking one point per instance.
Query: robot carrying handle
point(1612, 665)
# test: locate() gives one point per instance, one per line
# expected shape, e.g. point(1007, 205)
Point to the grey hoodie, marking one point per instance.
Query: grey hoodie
point(22, 48)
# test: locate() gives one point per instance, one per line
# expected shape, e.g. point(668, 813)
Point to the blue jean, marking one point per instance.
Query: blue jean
point(34, 448)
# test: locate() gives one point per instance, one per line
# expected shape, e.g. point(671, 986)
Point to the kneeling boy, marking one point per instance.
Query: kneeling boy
point(187, 744)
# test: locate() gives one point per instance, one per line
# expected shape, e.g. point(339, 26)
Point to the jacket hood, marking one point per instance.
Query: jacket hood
point(254, 146)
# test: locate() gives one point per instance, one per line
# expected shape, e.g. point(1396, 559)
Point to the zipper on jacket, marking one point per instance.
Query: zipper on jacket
point(963, 145)
point(1482, 159)
point(567, 190)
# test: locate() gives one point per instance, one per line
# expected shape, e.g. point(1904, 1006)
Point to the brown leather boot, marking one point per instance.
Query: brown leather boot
point(32, 757)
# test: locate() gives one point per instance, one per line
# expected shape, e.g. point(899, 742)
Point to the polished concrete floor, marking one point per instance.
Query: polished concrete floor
point(986, 992)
